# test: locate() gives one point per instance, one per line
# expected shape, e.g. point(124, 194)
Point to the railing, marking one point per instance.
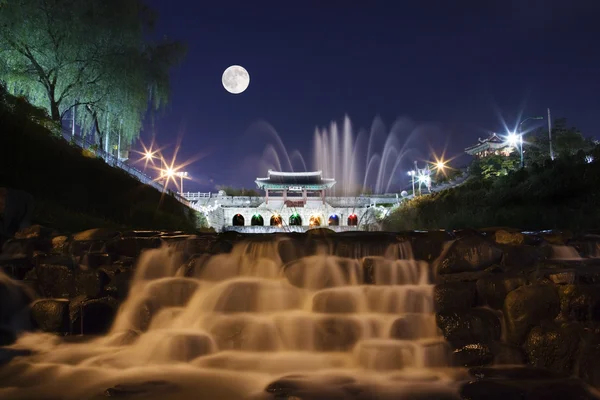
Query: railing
point(196, 195)
point(116, 163)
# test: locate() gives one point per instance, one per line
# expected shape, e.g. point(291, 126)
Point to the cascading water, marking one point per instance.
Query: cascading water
point(246, 325)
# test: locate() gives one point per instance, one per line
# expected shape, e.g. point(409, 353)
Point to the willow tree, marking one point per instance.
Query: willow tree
point(90, 55)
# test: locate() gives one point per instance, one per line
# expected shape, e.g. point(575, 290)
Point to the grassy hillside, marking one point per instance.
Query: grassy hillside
point(73, 191)
point(561, 194)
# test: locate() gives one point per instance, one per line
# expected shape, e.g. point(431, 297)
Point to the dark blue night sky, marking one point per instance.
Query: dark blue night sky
point(453, 66)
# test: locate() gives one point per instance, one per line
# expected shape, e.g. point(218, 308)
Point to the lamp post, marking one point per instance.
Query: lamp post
point(181, 175)
point(412, 174)
point(521, 137)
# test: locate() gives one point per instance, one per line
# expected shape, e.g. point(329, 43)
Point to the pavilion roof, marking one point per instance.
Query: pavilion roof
point(312, 180)
point(492, 142)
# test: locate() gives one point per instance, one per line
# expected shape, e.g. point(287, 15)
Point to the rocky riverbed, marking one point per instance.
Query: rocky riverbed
point(519, 310)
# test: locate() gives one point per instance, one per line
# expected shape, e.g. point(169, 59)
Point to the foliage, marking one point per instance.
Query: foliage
point(231, 191)
point(495, 165)
point(564, 193)
point(449, 175)
point(566, 141)
point(73, 192)
point(89, 55)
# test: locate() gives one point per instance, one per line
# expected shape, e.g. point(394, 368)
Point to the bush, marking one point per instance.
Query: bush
point(562, 194)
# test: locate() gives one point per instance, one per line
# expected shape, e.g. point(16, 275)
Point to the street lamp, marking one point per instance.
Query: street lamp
point(521, 137)
point(181, 175)
point(412, 173)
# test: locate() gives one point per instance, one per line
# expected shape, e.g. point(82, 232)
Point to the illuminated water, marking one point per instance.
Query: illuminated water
point(372, 160)
point(228, 326)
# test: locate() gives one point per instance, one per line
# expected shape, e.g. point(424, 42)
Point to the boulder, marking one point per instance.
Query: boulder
point(51, 315)
point(474, 354)
point(98, 234)
point(454, 296)
point(96, 260)
point(60, 244)
point(133, 246)
point(92, 316)
point(527, 306)
point(478, 325)
point(428, 246)
point(589, 367)
point(60, 281)
point(554, 346)
point(337, 333)
point(118, 287)
point(511, 238)
point(16, 267)
point(580, 302)
point(470, 253)
point(520, 258)
point(492, 289)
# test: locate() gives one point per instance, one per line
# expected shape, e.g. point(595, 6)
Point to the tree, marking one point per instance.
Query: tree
point(494, 165)
point(566, 141)
point(90, 55)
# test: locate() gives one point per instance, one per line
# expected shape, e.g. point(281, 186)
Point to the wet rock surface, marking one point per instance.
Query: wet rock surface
point(501, 298)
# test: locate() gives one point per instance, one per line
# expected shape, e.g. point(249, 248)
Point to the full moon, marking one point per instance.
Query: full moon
point(236, 79)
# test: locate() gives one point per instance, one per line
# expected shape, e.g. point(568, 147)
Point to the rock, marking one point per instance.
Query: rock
point(51, 315)
point(119, 285)
point(16, 267)
point(454, 296)
point(492, 390)
point(60, 244)
point(35, 231)
point(511, 238)
point(428, 246)
point(561, 389)
point(589, 367)
point(520, 258)
point(580, 302)
point(92, 316)
point(506, 354)
point(146, 234)
point(133, 246)
point(96, 260)
point(337, 333)
point(527, 306)
point(25, 247)
point(471, 253)
point(515, 373)
point(472, 355)
point(98, 234)
point(478, 325)
point(336, 301)
point(79, 248)
point(492, 289)
point(554, 346)
point(59, 281)
point(556, 238)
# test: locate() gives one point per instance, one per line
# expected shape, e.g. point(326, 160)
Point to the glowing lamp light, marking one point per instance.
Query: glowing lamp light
point(440, 165)
point(411, 173)
point(512, 139)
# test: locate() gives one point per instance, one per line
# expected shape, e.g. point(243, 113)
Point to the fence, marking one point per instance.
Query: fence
point(196, 195)
point(116, 163)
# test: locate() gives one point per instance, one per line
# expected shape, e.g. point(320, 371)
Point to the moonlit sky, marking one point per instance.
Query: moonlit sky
point(458, 67)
